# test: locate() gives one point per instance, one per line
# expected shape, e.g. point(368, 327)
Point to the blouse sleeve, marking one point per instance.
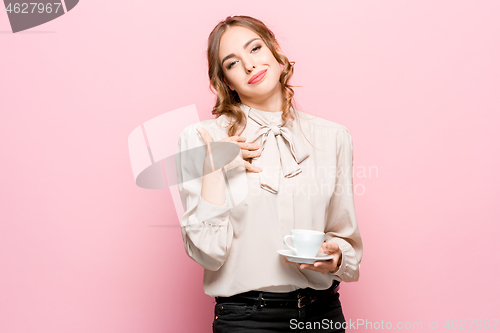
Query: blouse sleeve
point(341, 224)
point(206, 229)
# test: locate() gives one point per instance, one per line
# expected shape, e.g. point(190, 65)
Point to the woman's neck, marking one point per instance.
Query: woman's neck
point(272, 104)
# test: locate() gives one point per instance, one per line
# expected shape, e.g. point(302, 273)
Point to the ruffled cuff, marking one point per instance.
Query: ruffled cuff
point(341, 270)
point(348, 270)
point(212, 214)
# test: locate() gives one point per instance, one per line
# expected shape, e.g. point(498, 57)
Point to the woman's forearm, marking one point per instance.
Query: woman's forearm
point(213, 188)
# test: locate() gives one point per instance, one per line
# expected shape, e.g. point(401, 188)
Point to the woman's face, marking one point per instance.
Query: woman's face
point(244, 55)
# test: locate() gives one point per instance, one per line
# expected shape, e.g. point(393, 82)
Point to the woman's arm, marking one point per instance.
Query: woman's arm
point(206, 227)
point(341, 225)
point(213, 187)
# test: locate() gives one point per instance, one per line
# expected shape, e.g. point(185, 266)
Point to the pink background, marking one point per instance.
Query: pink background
point(84, 249)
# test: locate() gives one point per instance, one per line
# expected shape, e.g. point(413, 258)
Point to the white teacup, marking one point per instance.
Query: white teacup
point(306, 243)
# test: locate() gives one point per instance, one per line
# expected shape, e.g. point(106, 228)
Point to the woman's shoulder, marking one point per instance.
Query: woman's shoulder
point(214, 126)
point(322, 133)
point(317, 123)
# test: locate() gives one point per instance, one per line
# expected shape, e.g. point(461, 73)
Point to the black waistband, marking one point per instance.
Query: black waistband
point(292, 295)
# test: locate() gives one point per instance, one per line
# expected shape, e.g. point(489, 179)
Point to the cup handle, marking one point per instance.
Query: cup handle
point(284, 241)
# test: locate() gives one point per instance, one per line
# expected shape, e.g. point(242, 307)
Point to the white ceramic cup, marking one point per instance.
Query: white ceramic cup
point(306, 243)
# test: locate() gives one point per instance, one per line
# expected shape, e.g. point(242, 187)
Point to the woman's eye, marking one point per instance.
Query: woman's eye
point(234, 62)
point(256, 48)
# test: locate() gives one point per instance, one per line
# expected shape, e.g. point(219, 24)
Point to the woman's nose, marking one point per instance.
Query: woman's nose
point(250, 68)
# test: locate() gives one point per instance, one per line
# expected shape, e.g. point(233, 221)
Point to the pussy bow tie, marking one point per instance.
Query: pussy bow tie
point(279, 147)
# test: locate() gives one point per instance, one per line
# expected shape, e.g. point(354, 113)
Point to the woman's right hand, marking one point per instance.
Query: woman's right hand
point(247, 151)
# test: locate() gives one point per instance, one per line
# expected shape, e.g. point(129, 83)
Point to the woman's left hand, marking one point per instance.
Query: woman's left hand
point(324, 266)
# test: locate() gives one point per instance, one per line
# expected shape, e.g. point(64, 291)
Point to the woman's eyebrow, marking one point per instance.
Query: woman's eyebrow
point(244, 47)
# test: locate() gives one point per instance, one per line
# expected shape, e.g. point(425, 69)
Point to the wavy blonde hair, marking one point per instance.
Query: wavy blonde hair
point(227, 100)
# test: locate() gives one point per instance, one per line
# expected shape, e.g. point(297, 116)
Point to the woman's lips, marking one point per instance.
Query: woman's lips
point(257, 77)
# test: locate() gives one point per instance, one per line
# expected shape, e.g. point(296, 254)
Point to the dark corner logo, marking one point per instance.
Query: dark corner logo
point(26, 15)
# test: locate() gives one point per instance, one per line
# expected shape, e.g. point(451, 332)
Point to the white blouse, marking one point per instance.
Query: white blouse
point(301, 187)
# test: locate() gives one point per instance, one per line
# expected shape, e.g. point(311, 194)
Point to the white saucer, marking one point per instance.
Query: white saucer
point(289, 254)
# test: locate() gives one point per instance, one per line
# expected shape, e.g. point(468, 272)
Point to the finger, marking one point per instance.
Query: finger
point(251, 167)
point(328, 265)
point(322, 270)
point(234, 139)
point(204, 134)
point(249, 146)
point(324, 266)
point(250, 154)
point(238, 138)
point(330, 247)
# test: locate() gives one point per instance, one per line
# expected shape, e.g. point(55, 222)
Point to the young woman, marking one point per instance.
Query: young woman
point(293, 171)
